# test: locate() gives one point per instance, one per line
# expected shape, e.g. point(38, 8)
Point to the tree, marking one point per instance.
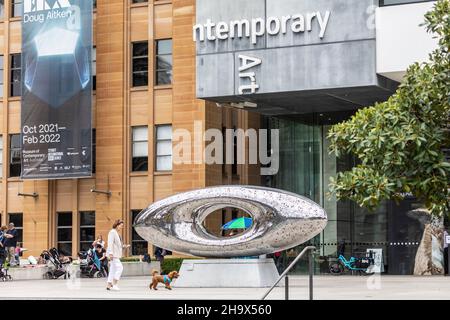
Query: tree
point(400, 142)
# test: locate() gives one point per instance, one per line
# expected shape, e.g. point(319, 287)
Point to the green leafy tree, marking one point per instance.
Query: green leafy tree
point(400, 142)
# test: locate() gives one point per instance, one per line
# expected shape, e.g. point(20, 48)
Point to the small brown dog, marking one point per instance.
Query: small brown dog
point(167, 280)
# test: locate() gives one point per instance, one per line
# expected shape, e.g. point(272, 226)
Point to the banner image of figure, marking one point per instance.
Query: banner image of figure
point(56, 117)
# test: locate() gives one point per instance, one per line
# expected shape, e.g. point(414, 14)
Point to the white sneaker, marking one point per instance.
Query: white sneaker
point(115, 288)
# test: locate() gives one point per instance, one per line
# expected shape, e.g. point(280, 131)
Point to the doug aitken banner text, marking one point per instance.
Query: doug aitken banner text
point(56, 89)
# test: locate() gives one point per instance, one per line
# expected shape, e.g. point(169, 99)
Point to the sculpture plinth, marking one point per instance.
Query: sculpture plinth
point(227, 273)
point(281, 220)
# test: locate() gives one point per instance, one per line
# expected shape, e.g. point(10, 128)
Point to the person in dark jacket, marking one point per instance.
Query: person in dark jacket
point(2, 246)
point(160, 254)
point(10, 243)
point(446, 252)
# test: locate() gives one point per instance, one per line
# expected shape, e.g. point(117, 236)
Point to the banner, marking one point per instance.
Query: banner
point(56, 89)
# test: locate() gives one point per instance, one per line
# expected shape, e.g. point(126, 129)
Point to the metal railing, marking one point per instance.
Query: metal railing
point(309, 249)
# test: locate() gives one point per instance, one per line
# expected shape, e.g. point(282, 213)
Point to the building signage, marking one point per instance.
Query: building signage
point(258, 27)
point(56, 89)
point(247, 63)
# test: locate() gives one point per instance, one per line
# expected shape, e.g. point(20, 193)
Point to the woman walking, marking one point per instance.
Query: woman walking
point(114, 253)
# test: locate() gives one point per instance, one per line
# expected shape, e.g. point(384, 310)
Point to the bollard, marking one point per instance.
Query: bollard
point(286, 288)
point(311, 274)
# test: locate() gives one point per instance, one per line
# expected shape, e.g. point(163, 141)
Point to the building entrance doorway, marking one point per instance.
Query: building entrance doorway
point(306, 167)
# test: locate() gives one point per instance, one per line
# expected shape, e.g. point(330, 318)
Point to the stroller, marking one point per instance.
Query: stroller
point(4, 276)
point(57, 267)
point(90, 265)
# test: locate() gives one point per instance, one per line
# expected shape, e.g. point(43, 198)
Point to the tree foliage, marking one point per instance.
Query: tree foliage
point(399, 143)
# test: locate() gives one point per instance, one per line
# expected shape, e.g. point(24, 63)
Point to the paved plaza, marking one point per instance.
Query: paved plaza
point(326, 288)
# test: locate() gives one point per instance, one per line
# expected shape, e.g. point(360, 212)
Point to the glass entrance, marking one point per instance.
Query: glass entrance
point(306, 167)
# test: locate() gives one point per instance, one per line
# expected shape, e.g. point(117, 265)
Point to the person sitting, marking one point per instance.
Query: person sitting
point(98, 241)
point(100, 252)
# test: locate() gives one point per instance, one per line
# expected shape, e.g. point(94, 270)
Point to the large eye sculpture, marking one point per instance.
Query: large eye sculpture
point(281, 220)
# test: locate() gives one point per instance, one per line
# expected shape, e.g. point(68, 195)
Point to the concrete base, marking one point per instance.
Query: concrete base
point(36, 273)
point(227, 273)
point(134, 269)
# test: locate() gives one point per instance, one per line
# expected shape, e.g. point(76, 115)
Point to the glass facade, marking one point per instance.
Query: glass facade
point(306, 167)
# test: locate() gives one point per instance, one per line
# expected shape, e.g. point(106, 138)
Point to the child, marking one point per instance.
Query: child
point(17, 253)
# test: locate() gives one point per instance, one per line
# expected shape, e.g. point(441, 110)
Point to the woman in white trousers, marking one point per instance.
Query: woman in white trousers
point(114, 253)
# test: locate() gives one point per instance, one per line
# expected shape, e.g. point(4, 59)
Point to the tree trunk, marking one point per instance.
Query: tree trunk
point(430, 257)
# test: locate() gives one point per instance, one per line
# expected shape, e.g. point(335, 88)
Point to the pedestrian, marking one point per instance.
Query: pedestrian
point(446, 252)
point(11, 243)
point(2, 247)
point(159, 254)
point(17, 252)
point(114, 253)
point(277, 256)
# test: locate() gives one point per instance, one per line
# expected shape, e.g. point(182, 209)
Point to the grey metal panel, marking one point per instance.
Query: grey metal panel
point(294, 64)
point(349, 20)
point(336, 65)
point(215, 75)
point(226, 11)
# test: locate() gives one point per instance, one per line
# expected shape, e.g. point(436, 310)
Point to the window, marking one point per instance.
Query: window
point(1, 75)
point(94, 3)
point(2, 9)
point(163, 62)
point(164, 148)
point(16, 8)
point(139, 1)
point(1, 159)
point(87, 229)
point(64, 232)
point(94, 150)
point(140, 64)
point(138, 245)
point(15, 151)
point(94, 68)
point(140, 149)
point(16, 73)
point(17, 219)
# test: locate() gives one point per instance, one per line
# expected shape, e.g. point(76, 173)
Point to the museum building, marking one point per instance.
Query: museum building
point(304, 66)
point(163, 65)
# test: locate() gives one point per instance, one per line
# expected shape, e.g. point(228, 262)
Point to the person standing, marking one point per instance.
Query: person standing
point(278, 258)
point(446, 252)
point(17, 252)
point(2, 247)
point(114, 253)
point(11, 243)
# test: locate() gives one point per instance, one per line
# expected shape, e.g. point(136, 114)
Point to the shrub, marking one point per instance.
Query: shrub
point(171, 264)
